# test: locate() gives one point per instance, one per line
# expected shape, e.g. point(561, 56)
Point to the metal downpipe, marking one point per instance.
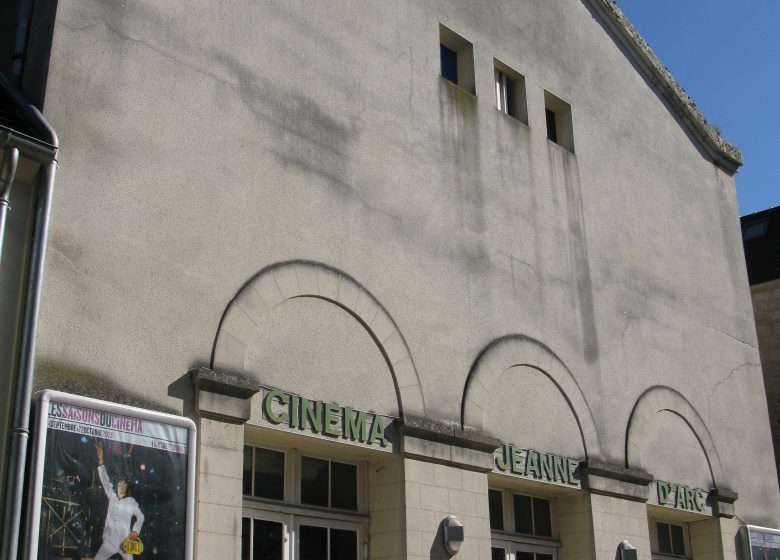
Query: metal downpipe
point(20, 427)
point(7, 174)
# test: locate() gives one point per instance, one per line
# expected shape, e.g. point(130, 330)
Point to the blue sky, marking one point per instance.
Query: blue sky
point(726, 55)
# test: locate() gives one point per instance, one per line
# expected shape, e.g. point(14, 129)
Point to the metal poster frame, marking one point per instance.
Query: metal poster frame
point(762, 541)
point(41, 415)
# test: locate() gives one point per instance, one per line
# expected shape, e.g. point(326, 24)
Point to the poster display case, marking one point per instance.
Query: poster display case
point(110, 479)
point(759, 543)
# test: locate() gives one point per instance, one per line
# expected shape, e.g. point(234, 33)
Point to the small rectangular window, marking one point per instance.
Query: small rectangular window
point(247, 479)
point(532, 516)
point(527, 518)
point(510, 92)
point(313, 542)
point(343, 488)
point(559, 125)
point(552, 131)
point(671, 538)
point(269, 474)
point(449, 64)
point(457, 59)
point(263, 473)
point(526, 555)
point(755, 230)
point(246, 537)
point(328, 484)
point(343, 544)
point(261, 539)
point(315, 481)
point(523, 515)
point(496, 506)
point(542, 521)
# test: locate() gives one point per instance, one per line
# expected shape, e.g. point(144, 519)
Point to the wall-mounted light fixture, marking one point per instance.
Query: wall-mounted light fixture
point(453, 534)
point(626, 551)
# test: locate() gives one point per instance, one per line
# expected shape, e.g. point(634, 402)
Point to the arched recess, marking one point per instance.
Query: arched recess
point(305, 279)
point(665, 399)
point(518, 350)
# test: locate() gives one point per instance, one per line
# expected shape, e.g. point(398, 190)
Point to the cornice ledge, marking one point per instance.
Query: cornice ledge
point(448, 433)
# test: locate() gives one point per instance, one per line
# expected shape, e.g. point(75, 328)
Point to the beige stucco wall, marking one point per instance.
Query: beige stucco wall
point(432, 493)
point(203, 145)
point(615, 520)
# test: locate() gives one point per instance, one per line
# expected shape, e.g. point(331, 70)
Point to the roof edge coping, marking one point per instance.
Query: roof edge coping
point(724, 154)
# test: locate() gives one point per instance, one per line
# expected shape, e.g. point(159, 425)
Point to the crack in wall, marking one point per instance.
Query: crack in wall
point(730, 375)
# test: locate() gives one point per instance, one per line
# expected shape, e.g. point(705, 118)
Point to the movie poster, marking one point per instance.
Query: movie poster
point(113, 486)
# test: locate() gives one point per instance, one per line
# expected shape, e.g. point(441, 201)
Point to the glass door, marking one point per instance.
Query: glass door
point(321, 539)
point(532, 553)
point(264, 537)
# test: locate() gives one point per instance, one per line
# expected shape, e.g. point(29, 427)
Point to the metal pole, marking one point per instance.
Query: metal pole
point(7, 174)
point(20, 427)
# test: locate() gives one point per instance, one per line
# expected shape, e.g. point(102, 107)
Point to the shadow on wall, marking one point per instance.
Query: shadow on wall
point(70, 378)
point(519, 350)
point(290, 280)
point(438, 552)
point(578, 247)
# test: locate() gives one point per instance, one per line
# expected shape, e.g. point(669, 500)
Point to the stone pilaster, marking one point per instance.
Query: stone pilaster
point(223, 405)
point(618, 497)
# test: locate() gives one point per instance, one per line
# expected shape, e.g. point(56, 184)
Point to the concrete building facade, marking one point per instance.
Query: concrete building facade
point(403, 261)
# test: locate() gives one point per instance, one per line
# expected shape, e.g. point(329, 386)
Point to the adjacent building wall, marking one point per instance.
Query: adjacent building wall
point(766, 305)
point(761, 239)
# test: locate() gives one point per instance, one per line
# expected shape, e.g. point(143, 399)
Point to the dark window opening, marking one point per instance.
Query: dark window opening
point(343, 544)
point(313, 542)
point(510, 91)
point(314, 481)
point(523, 515)
point(263, 473)
point(261, 539)
point(532, 516)
point(670, 539)
point(496, 506)
point(756, 230)
point(552, 132)
point(457, 59)
point(559, 123)
point(449, 64)
point(328, 484)
point(343, 489)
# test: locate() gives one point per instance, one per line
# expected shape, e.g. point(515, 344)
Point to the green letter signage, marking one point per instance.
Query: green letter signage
point(698, 499)
point(680, 496)
point(502, 462)
point(542, 466)
point(331, 419)
point(377, 432)
point(354, 425)
point(268, 403)
point(663, 488)
point(320, 417)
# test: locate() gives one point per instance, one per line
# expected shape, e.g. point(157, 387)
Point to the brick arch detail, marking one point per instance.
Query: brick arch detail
point(665, 399)
point(278, 283)
point(518, 350)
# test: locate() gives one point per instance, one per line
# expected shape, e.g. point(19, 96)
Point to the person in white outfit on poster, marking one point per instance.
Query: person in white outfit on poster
point(121, 510)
